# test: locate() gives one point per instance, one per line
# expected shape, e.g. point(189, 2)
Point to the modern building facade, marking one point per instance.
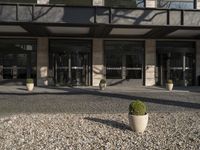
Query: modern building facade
point(126, 42)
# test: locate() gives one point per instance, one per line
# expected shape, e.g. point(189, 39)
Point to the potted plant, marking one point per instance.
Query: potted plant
point(138, 116)
point(29, 84)
point(169, 85)
point(102, 84)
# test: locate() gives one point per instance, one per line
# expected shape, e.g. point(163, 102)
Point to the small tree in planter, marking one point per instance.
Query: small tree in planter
point(30, 84)
point(138, 116)
point(169, 85)
point(102, 84)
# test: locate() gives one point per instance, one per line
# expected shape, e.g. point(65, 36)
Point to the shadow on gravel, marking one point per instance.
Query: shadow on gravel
point(111, 123)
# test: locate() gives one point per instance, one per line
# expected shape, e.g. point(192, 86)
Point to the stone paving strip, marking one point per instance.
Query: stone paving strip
point(62, 131)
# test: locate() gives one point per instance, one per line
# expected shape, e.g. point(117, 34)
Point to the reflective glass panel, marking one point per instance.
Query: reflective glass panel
point(176, 4)
point(124, 3)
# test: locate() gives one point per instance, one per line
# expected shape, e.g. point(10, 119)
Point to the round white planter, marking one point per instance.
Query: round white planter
point(138, 123)
point(169, 86)
point(102, 86)
point(30, 86)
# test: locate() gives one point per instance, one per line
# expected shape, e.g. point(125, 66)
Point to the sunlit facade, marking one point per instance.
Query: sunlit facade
point(78, 43)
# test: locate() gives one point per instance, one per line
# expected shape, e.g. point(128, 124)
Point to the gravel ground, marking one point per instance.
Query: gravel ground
point(179, 130)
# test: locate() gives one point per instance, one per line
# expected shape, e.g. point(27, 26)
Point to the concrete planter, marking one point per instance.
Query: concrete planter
point(30, 86)
point(138, 123)
point(169, 86)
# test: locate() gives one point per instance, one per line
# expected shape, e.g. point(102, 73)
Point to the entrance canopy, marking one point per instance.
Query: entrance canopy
point(61, 20)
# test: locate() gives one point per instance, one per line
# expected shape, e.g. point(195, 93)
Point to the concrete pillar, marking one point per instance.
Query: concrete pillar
point(151, 3)
point(197, 60)
point(150, 62)
point(98, 2)
point(42, 61)
point(98, 61)
point(43, 1)
point(198, 4)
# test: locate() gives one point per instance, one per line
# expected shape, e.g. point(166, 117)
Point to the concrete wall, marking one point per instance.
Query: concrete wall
point(151, 3)
point(198, 4)
point(197, 60)
point(43, 1)
point(150, 62)
point(42, 61)
point(98, 61)
point(98, 2)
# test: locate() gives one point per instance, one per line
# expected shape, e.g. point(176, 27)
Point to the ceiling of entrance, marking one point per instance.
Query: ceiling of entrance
point(100, 31)
point(68, 30)
point(184, 33)
point(11, 29)
point(126, 31)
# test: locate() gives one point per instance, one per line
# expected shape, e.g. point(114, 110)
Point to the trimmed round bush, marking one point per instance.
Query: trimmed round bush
point(169, 81)
point(29, 80)
point(103, 81)
point(137, 108)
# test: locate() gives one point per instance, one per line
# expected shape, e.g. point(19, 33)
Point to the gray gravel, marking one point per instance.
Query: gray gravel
point(99, 131)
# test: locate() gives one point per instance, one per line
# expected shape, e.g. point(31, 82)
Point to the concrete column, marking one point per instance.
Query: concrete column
point(197, 60)
point(43, 1)
point(98, 61)
point(198, 4)
point(150, 62)
point(98, 2)
point(151, 3)
point(42, 61)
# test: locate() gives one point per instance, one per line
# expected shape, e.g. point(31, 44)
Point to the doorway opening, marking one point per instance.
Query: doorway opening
point(70, 62)
point(176, 61)
point(17, 61)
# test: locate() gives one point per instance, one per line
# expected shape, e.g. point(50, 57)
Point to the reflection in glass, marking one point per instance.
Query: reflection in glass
point(125, 3)
point(176, 4)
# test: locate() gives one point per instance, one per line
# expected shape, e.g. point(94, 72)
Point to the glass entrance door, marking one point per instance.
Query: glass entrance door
point(72, 68)
point(177, 66)
point(15, 68)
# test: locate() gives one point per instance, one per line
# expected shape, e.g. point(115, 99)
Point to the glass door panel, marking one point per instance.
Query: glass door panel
point(7, 66)
point(134, 66)
point(176, 68)
point(72, 69)
point(113, 66)
point(189, 68)
point(62, 68)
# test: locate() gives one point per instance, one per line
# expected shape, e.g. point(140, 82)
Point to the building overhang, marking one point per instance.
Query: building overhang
point(99, 22)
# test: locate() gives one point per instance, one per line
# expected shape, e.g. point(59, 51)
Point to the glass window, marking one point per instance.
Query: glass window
point(124, 3)
point(176, 4)
point(72, 2)
point(18, 1)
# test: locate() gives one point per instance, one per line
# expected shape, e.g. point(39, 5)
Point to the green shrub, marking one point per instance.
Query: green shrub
point(137, 108)
point(169, 81)
point(29, 80)
point(103, 81)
